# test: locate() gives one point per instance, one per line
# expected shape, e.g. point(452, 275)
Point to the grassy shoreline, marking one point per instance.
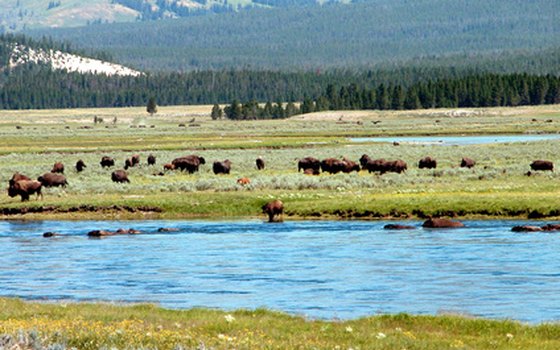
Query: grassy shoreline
point(96, 326)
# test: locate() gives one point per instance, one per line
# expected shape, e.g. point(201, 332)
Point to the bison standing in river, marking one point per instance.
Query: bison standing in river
point(189, 163)
point(274, 210)
point(542, 165)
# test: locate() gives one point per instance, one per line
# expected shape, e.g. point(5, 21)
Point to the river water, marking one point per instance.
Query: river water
point(320, 269)
point(459, 140)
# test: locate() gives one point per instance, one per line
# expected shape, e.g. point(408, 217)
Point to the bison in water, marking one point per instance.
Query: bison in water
point(53, 180)
point(25, 188)
point(151, 159)
point(467, 163)
point(58, 167)
point(309, 163)
point(441, 223)
point(542, 165)
point(260, 163)
point(222, 167)
point(120, 176)
point(107, 162)
point(80, 165)
point(427, 163)
point(274, 210)
point(189, 163)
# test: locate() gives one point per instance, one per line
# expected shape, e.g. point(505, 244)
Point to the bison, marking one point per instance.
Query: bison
point(189, 163)
point(332, 165)
point(467, 163)
point(53, 180)
point(168, 166)
point(151, 159)
point(364, 159)
point(274, 210)
point(260, 163)
point(107, 162)
point(310, 171)
point(384, 166)
point(427, 163)
point(16, 177)
point(542, 165)
point(442, 223)
point(309, 163)
point(222, 167)
point(244, 181)
point(120, 176)
point(58, 167)
point(25, 188)
point(350, 166)
point(80, 165)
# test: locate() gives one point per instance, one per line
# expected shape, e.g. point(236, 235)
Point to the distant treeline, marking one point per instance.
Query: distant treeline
point(488, 90)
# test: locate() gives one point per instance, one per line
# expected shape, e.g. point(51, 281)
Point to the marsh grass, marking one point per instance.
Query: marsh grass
point(104, 326)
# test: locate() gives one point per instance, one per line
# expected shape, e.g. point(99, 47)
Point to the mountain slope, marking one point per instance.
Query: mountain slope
point(333, 35)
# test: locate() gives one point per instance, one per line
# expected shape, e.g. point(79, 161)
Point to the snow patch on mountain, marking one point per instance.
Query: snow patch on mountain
point(59, 60)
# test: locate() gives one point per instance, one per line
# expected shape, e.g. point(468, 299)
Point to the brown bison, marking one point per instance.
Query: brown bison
point(16, 177)
point(80, 165)
point(132, 161)
point(168, 166)
point(58, 167)
point(526, 228)
point(542, 165)
point(310, 171)
point(25, 188)
point(119, 176)
point(274, 210)
point(427, 163)
point(309, 163)
point(244, 181)
point(222, 167)
point(260, 163)
point(467, 163)
point(441, 223)
point(53, 180)
point(332, 165)
point(364, 159)
point(189, 163)
point(107, 162)
point(151, 159)
point(350, 166)
point(383, 166)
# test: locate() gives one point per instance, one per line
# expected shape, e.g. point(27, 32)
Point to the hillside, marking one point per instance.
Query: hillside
point(20, 15)
point(333, 35)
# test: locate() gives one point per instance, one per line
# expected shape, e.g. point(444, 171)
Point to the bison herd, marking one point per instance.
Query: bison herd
point(23, 186)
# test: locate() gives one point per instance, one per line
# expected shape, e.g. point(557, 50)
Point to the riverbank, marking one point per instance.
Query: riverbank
point(96, 326)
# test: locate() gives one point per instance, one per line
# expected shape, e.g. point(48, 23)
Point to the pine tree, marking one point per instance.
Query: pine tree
point(216, 112)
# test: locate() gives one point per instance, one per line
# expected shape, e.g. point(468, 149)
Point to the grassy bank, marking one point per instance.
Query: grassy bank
point(97, 326)
point(497, 186)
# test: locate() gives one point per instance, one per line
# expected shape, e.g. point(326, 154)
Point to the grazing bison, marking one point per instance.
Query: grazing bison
point(189, 163)
point(260, 163)
point(80, 165)
point(309, 163)
point(542, 165)
point(244, 181)
point(135, 159)
point(119, 176)
point(310, 171)
point(221, 167)
point(151, 159)
point(350, 166)
point(467, 163)
point(427, 163)
point(441, 223)
point(16, 177)
point(53, 180)
point(107, 162)
point(373, 165)
point(384, 166)
point(397, 166)
point(274, 210)
point(332, 165)
point(58, 167)
point(25, 188)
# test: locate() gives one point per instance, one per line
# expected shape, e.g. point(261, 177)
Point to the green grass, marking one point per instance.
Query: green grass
point(497, 186)
point(97, 326)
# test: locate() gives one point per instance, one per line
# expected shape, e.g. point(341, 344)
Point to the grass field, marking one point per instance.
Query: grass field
point(497, 186)
point(103, 326)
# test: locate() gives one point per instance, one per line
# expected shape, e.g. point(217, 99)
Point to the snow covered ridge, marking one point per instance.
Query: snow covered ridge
point(65, 61)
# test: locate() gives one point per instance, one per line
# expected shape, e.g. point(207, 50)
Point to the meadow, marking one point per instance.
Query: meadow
point(496, 187)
